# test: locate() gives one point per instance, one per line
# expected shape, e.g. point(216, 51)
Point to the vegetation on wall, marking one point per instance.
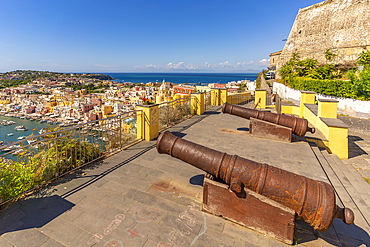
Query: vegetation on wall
point(327, 78)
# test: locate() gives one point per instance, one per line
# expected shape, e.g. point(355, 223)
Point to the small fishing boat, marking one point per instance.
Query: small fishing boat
point(9, 134)
point(21, 137)
point(10, 148)
point(21, 127)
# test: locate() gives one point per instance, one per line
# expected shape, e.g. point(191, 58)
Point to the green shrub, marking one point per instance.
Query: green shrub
point(308, 75)
point(330, 56)
point(17, 177)
point(337, 88)
point(361, 82)
point(364, 59)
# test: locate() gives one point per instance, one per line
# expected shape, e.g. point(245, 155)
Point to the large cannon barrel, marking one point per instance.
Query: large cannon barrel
point(299, 126)
point(313, 201)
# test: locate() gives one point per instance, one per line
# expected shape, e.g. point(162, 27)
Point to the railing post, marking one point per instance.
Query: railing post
point(223, 96)
point(56, 154)
point(120, 132)
point(260, 98)
point(148, 119)
point(197, 103)
point(327, 108)
point(307, 97)
point(215, 96)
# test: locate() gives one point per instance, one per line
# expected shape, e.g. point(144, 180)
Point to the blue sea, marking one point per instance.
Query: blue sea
point(4, 130)
point(177, 78)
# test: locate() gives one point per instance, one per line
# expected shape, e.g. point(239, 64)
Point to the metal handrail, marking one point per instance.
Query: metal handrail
point(65, 130)
point(58, 152)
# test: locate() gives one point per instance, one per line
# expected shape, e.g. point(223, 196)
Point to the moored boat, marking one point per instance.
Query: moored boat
point(21, 127)
point(10, 148)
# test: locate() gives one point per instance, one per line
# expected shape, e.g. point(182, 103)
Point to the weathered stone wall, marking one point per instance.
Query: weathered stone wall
point(340, 25)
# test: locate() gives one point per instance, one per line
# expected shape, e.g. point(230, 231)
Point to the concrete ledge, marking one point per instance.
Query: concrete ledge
point(334, 122)
point(313, 108)
point(328, 100)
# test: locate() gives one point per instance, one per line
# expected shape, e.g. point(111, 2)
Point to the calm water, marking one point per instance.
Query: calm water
point(4, 130)
point(191, 78)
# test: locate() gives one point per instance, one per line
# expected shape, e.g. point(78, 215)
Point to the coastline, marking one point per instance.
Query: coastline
point(182, 78)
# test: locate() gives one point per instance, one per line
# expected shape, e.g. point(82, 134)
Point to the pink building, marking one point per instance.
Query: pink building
point(219, 85)
point(96, 101)
point(87, 107)
point(90, 117)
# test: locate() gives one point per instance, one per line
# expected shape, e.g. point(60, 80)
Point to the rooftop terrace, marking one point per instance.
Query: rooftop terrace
point(138, 197)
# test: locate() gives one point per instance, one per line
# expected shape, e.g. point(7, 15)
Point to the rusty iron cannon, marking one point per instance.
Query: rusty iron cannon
point(299, 126)
point(313, 201)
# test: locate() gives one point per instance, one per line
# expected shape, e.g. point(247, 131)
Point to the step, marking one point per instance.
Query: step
point(361, 186)
point(346, 181)
point(362, 203)
point(333, 180)
point(360, 229)
point(357, 175)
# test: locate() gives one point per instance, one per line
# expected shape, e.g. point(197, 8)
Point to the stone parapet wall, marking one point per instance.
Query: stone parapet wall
point(340, 25)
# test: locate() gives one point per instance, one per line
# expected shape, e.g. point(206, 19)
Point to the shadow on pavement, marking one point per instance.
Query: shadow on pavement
point(178, 134)
point(353, 149)
point(212, 113)
point(33, 212)
point(303, 233)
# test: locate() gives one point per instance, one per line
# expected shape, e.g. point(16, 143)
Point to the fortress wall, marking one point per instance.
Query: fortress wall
point(340, 25)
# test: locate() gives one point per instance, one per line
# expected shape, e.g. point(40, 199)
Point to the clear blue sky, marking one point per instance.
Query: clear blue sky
point(143, 35)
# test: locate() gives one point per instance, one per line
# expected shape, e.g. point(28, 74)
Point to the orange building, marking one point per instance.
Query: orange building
point(183, 89)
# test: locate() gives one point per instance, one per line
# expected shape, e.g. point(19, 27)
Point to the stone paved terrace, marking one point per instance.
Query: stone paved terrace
point(138, 197)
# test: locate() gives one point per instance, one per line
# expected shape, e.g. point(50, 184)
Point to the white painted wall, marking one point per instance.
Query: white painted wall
point(251, 85)
point(350, 107)
point(287, 93)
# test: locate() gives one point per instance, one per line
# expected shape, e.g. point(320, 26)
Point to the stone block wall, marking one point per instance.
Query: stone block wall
point(340, 25)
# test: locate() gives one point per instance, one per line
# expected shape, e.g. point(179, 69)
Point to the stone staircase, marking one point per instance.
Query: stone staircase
point(351, 190)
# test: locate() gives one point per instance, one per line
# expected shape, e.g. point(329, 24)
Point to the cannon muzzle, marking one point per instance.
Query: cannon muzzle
point(313, 201)
point(299, 126)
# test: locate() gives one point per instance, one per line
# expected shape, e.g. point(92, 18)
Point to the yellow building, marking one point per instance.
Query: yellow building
point(52, 102)
point(134, 100)
point(107, 110)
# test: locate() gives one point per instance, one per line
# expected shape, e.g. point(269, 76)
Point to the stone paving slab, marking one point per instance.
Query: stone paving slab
point(140, 198)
